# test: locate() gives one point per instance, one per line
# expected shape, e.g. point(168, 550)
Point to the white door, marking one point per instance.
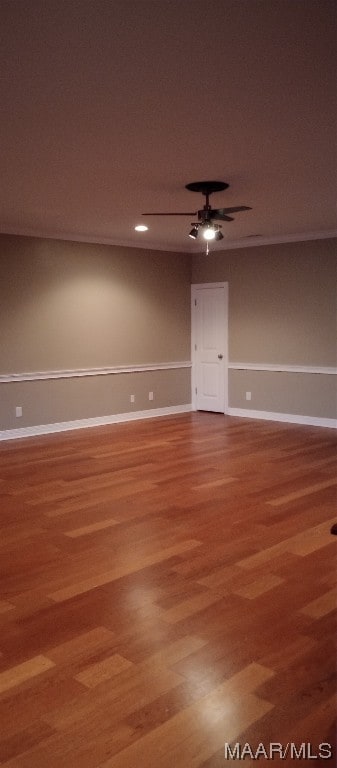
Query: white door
point(209, 347)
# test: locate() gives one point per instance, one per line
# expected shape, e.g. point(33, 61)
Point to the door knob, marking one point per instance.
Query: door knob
point(220, 357)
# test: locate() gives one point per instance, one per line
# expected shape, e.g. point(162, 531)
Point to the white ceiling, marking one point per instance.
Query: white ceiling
point(109, 107)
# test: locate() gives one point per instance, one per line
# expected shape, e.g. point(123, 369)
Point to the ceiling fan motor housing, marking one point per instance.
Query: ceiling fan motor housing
point(205, 214)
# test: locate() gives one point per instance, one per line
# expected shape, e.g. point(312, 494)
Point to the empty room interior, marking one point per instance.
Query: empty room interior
point(168, 364)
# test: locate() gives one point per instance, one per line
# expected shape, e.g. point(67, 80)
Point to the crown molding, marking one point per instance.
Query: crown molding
point(252, 242)
point(195, 248)
point(88, 239)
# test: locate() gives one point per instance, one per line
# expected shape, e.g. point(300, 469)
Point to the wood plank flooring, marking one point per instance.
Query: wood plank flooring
point(167, 587)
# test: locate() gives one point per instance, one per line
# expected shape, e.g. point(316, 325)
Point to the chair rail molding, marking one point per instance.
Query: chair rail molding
point(284, 368)
point(73, 373)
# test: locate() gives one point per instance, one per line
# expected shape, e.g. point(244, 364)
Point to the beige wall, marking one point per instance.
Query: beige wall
point(282, 310)
point(71, 305)
point(60, 400)
point(67, 305)
point(282, 301)
point(305, 394)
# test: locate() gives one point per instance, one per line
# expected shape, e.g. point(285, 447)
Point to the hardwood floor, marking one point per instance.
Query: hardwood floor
point(167, 587)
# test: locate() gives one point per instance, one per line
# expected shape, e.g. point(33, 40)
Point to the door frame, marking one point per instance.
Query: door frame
point(195, 287)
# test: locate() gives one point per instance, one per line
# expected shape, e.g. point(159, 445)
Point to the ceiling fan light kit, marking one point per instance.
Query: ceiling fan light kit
point(207, 214)
point(211, 232)
point(194, 232)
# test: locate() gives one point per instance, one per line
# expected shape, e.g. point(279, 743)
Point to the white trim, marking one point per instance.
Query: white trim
point(144, 242)
point(252, 242)
point(64, 426)
point(313, 421)
point(79, 372)
point(283, 368)
point(194, 247)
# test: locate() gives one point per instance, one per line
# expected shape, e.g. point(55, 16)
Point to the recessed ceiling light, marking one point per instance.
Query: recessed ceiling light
point(141, 228)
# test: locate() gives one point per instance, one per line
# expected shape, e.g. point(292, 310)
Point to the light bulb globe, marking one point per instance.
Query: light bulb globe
point(209, 233)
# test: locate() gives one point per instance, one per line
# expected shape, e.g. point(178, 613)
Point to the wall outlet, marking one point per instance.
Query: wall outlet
point(150, 395)
point(132, 398)
point(248, 395)
point(18, 411)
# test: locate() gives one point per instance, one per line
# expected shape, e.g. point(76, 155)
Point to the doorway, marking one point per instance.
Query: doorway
point(210, 347)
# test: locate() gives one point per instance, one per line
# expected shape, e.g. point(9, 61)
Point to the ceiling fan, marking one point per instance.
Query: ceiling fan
point(207, 214)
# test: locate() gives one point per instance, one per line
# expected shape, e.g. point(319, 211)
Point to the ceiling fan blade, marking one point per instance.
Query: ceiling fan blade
point(236, 209)
point(220, 216)
point(194, 213)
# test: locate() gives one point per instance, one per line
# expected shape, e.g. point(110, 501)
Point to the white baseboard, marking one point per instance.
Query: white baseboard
point(313, 421)
point(64, 426)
